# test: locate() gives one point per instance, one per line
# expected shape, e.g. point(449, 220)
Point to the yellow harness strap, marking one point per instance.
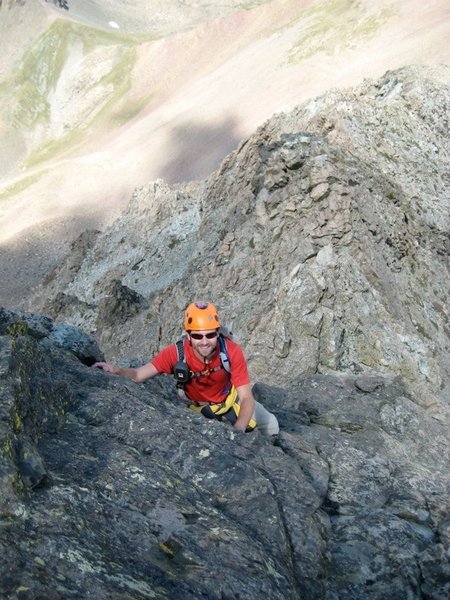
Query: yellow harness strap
point(229, 409)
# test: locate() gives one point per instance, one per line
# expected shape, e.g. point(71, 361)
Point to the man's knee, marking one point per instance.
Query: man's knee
point(265, 420)
point(271, 427)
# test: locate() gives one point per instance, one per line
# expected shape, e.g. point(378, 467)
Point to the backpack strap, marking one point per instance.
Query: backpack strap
point(224, 358)
point(180, 349)
point(225, 362)
point(181, 370)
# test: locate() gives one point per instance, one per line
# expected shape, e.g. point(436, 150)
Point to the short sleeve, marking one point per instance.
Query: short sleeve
point(164, 361)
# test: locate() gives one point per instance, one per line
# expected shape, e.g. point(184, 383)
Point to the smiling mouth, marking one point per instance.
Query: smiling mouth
point(206, 348)
point(206, 351)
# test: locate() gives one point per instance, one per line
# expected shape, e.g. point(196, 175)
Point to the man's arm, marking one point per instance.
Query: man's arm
point(247, 404)
point(140, 374)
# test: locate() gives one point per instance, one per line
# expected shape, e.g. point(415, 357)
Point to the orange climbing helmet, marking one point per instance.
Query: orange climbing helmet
point(201, 316)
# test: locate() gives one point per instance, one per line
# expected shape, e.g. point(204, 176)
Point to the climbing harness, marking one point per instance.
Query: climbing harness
point(228, 409)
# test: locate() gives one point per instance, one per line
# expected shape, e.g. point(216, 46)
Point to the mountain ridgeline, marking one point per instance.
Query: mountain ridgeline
point(323, 241)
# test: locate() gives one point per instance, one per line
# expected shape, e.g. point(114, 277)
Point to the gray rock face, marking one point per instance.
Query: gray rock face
point(323, 240)
point(49, 333)
point(114, 490)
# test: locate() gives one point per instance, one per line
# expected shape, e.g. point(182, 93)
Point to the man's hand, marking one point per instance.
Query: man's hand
point(139, 375)
point(106, 367)
point(240, 426)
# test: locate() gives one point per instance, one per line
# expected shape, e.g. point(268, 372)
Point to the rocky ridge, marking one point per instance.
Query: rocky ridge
point(110, 489)
point(89, 112)
point(323, 240)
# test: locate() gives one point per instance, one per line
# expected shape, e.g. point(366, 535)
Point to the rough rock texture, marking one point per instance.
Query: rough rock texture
point(49, 334)
point(110, 489)
point(323, 240)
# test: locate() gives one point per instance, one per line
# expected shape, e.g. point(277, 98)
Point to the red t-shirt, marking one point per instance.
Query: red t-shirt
point(206, 388)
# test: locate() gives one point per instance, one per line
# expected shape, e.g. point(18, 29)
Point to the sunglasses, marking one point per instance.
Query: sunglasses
point(200, 336)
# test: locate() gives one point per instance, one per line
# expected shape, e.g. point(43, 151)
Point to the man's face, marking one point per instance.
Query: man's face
point(203, 342)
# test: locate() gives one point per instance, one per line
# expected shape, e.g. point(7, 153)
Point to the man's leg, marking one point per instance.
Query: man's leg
point(265, 420)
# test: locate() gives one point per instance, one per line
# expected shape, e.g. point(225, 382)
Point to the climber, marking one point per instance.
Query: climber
point(210, 370)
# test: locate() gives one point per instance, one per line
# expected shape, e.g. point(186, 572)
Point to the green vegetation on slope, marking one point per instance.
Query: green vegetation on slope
point(331, 25)
point(19, 186)
point(26, 95)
